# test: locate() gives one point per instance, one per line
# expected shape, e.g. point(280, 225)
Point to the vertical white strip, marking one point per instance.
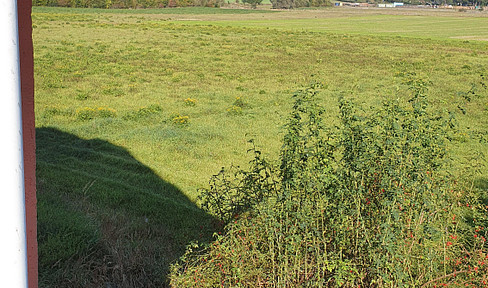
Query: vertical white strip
point(13, 258)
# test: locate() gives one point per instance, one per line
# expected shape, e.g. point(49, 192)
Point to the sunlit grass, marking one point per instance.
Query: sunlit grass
point(400, 25)
point(94, 61)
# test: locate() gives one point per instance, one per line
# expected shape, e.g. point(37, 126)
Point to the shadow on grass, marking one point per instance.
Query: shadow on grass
point(105, 219)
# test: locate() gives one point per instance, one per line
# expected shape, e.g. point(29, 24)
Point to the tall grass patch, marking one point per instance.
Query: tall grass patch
point(367, 203)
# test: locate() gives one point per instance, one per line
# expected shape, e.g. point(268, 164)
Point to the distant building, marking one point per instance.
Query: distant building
point(390, 5)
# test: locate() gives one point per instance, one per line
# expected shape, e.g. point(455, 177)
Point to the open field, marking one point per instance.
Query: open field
point(136, 109)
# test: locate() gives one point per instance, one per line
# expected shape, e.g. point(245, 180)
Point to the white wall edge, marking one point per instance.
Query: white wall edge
point(13, 255)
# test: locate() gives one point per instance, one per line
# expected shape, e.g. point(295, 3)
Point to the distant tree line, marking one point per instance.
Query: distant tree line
point(127, 4)
point(425, 2)
point(134, 4)
point(446, 2)
point(290, 4)
point(277, 4)
point(457, 2)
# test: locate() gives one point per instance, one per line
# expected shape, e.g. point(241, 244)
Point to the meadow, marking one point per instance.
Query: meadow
point(136, 109)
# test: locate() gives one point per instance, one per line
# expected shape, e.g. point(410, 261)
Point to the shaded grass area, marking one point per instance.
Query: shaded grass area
point(106, 218)
point(135, 112)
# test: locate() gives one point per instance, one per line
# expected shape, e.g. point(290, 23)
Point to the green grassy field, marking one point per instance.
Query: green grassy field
point(398, 25)
point(136, 109)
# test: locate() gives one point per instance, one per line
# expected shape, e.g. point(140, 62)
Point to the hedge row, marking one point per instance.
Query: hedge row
point(126, 4)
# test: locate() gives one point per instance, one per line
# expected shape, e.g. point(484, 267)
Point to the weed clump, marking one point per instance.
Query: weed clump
point(368, 203)
point(88, 113)
point(237, 107)
point(190, 102)
point(182, 120)
point(144, 112)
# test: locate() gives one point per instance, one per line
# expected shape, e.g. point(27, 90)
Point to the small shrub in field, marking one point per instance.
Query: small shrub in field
point(180, 120)
point(239, 102)
point(237, 107)
point(88, 113)
point(366, 204)
point(234, 110)
point(144, 112)
point(190, 102)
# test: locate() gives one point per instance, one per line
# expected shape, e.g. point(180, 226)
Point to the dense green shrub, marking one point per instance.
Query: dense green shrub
point(366, 203)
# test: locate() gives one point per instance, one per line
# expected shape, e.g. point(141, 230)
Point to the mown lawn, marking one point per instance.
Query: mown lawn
point(135, 110)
